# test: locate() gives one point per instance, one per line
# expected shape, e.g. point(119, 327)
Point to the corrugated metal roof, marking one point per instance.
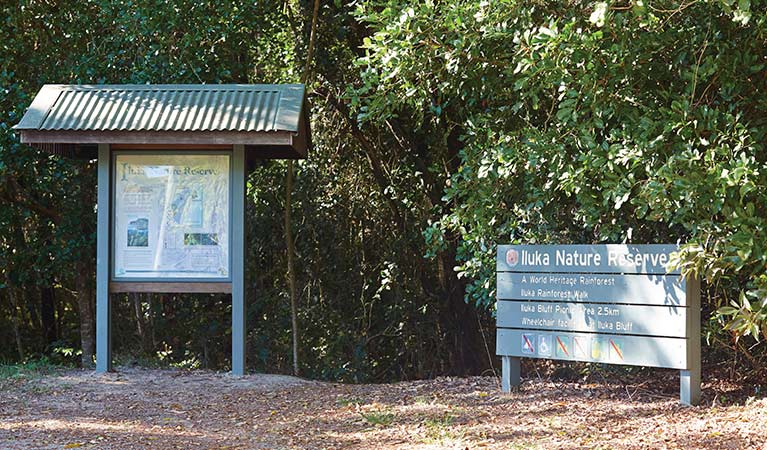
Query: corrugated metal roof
point(233, 107)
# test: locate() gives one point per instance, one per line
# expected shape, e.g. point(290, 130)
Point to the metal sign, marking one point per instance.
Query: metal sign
point(598, 303)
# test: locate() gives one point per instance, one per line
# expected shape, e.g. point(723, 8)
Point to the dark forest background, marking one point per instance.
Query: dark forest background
point(440, 129)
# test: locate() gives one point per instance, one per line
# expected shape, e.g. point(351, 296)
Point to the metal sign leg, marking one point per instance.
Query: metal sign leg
point(510, 374)
point(103, 304)
point(689, 387)
point(238, 261)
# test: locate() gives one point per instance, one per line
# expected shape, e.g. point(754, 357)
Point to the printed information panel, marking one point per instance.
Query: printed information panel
point(171, 216)
point(662, 290)
point(614, 258)
point(593, 317)
point(629, 350)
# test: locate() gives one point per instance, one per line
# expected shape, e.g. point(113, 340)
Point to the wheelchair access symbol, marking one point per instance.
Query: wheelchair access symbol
point(544, 345)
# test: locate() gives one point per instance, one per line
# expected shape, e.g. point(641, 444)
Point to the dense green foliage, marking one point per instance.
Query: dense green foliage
point(592, 124)
point(440, 129)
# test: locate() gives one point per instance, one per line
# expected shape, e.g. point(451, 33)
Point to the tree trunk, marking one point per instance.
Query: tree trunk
point(459, 320)
point(28, 302)
point(16, 322)
point(62, 306)
point(48, 313)
point(141, 323)
point(289, 241)
point(86, 303)
point(153, 337)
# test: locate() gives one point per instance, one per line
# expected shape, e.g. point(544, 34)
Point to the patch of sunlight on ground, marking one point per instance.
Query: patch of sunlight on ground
point(92, 426)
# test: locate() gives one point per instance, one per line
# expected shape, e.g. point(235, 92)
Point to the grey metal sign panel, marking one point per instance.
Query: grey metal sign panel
point(665, 290)
point(608, 348)
point(593, 317)
point(610, 258)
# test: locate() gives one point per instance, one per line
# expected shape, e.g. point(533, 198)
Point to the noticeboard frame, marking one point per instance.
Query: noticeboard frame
point(121, 280)
point(105, 287)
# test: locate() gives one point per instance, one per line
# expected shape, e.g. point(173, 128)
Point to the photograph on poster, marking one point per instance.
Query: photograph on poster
point(138, 232)
point(171, 216)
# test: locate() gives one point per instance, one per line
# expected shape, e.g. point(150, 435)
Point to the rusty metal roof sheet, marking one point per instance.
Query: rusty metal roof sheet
point(229, 107)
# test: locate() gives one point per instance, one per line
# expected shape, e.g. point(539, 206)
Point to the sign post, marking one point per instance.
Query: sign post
point(103, 301)
point(613, 304)
point(238, 262)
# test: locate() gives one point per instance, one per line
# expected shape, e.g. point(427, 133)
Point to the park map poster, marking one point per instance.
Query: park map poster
point(171, 216)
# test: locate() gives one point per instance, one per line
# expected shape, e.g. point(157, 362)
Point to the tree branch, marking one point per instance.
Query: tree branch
point(376, 166)
point(13, 193)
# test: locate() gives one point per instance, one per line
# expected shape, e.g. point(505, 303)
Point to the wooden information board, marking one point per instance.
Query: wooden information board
point(612, 304)
point(172, 167)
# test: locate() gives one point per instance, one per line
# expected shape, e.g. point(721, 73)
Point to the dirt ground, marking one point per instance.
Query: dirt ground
point(168, 409)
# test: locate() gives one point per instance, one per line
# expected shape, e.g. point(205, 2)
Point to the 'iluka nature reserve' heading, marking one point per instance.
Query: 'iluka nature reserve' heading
point(611, 258)
point(576, 258)
point(129, 170)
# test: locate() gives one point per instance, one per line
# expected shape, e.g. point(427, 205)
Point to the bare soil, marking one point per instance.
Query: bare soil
point(169, 409)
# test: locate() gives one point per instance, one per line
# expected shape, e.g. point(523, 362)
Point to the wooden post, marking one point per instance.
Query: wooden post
point(103, 305)
point(238, 261)
point(689, 380)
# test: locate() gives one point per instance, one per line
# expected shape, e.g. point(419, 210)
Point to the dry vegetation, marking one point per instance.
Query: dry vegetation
point(164, 409)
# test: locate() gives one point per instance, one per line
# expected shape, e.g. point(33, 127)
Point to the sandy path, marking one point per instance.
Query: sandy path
point(164, 409)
